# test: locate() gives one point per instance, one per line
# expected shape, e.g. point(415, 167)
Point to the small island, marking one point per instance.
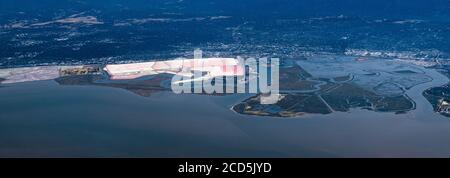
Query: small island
point(439, 97)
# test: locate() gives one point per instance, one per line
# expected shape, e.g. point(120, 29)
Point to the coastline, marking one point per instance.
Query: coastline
point(155, 123)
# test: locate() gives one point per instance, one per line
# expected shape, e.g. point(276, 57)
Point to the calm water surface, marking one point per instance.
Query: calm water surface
point(44, 119)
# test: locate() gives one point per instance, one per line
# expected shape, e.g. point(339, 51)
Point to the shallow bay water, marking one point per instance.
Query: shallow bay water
point(44, 119)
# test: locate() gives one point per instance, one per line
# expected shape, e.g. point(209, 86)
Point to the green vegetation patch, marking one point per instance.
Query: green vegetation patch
point(290, 105)
point(434, 95)
point(299, 85)
point(144, 87)
point(350, 96)
point(394, 104)
point(295, 78)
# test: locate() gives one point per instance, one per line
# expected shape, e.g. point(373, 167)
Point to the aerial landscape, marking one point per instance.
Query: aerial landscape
point(96, 78)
